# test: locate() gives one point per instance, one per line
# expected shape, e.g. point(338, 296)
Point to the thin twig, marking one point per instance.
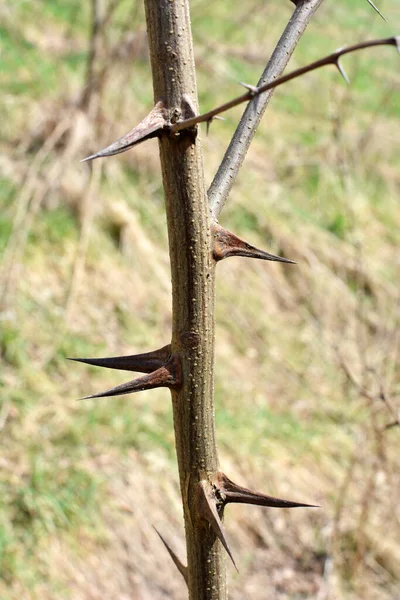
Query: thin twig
point(331, 59)
point(239, 145)
point(364, 392)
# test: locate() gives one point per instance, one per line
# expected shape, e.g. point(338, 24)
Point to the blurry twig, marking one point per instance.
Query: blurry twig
point(90, 96)
point(366, 393)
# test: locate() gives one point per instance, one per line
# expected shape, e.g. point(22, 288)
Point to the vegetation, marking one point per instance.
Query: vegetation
point(85, 273)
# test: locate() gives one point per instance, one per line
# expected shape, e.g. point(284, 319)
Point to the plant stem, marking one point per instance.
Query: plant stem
point(193, 286)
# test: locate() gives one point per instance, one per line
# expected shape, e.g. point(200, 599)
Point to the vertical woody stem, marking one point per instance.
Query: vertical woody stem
point(193, 286)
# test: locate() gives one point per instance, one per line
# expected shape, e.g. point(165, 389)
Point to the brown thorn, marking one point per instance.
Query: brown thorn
point(168, 375)
point(342, 71)
point(228, 244)
point(230, 492)
point(207, 506)
point(181, 567)
point(150, 127)
point(143, 363)
point(377, 9)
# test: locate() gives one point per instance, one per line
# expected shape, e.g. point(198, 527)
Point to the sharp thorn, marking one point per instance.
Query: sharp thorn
point(228, 244)
point(252, 88)
point(208, 511)
point(150, 127)
point(168, 375)
point(342, 71)
point(208, 123)
point(377, 10)
point(396, 41)
point(230, 492)
point(181, 567)
point(144, 363)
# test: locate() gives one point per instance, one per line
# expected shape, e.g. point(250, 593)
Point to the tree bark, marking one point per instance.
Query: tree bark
point(193, 286)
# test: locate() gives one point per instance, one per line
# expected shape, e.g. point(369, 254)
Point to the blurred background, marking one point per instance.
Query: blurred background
point(307, 373)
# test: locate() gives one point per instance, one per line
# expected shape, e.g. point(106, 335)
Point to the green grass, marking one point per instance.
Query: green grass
point(55, 228)
point(51, 498)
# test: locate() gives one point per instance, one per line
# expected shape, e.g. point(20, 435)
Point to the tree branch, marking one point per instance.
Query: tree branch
point(239, 145)
point(142, 132)
point(331, 59)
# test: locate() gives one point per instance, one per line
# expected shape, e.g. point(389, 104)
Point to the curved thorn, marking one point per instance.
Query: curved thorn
point(144, 363)
point(168, 375)
point(377, 10)
point(150, 127)
point(228, 244)
point(342, 71)
point(230, 492)
point(207, 506)
point(179, 565)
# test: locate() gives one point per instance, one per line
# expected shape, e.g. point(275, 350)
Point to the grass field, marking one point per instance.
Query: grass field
point(307, 374)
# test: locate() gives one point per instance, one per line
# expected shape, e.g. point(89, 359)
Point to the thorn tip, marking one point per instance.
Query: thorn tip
point(228, 244)
point(144, 363)
point(231, 492)
point(341, 70)
point(179, 565)
point(151, 126)
point(376, 9)
point(251, 88)
point(169, 375)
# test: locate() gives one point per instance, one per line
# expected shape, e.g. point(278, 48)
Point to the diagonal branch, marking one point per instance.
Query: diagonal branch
point(331, 59)
point(255, 92)
point(240, 142)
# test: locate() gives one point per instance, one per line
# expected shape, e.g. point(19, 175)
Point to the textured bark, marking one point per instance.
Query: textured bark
point(193, 286)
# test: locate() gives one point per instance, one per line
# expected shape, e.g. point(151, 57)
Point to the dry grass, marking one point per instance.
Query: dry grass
point(307, 357)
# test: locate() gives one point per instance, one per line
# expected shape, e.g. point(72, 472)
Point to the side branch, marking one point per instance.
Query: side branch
point(331, 59)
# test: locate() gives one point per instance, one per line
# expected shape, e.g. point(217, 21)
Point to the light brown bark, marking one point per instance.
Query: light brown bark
point(193, 285)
